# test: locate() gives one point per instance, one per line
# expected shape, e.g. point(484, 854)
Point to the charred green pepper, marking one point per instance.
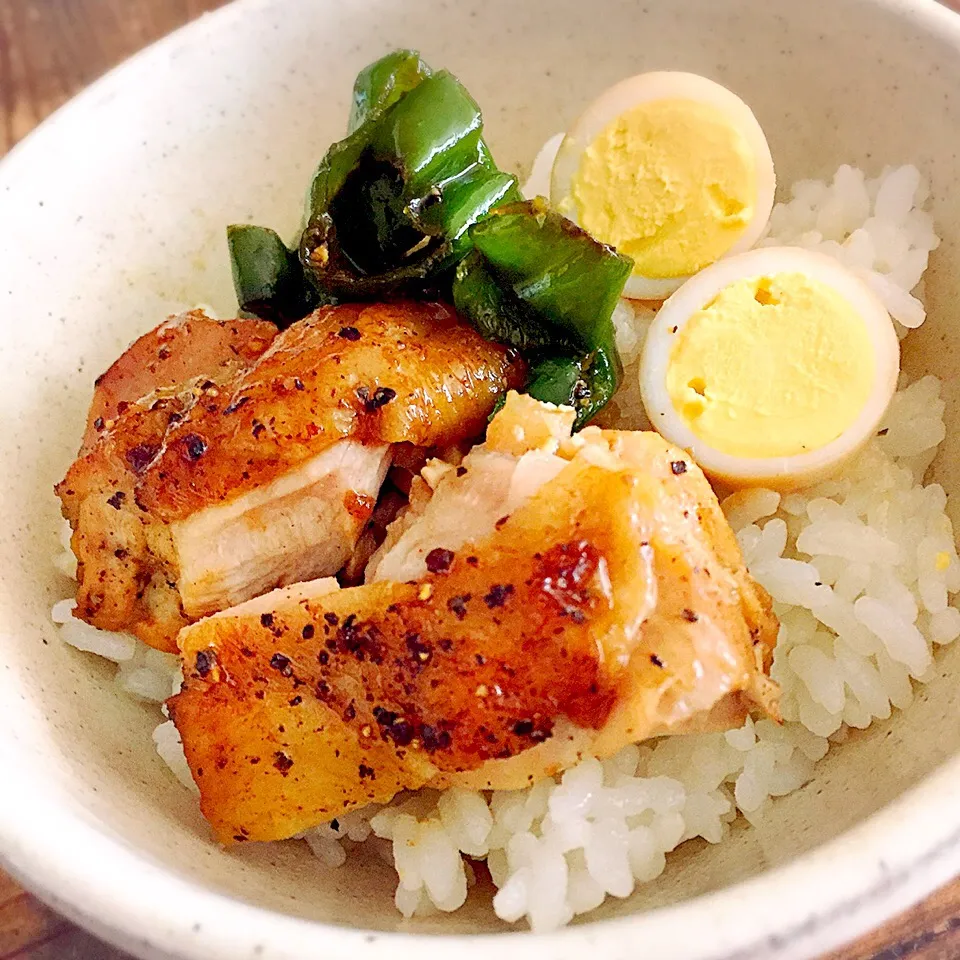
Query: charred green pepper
point(383, 83)
point(267, 276)
point(538, 282)
point(391, 205)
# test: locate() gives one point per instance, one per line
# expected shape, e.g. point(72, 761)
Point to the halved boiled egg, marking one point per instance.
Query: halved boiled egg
point(772, 367)
point(673, 170)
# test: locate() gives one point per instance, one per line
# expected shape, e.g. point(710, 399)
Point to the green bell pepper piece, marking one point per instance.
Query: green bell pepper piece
point(392, 204)
point(267, 276)
point(496, 311)
point(383, 83)
point(586, 382)
point(556, 379)
point(557, 268)
point(539, 283)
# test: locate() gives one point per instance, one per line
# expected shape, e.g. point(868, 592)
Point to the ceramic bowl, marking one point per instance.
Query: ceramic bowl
point(112, 216)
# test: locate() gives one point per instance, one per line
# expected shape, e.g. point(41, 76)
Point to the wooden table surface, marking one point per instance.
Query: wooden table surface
point(50, 49)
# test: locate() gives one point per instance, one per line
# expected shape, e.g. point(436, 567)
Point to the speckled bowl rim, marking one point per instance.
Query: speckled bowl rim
point(810, 905)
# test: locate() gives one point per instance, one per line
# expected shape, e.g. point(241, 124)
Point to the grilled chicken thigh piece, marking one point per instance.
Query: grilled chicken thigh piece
point(207, 493)
point(549, 598)
point(154, 383)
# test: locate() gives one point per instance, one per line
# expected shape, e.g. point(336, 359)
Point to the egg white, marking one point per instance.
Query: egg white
point(665, 85)
point(778, 472)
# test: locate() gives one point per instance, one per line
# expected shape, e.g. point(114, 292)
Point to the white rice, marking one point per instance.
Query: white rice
point(862, 569)
point(875, 227)
point(166, 738)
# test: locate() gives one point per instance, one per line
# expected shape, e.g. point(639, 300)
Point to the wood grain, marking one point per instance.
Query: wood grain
point(49, 50)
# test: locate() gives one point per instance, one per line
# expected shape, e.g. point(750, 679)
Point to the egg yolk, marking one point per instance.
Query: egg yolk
point(671, 183)
point(771, 367)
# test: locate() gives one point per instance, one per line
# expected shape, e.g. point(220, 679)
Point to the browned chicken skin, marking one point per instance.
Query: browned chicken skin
point(262, 464)
point(155, 381)
point(376, 373)
point(187, 348)
point(607, 605)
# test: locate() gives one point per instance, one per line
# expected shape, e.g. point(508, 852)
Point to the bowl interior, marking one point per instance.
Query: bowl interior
point(113, 217)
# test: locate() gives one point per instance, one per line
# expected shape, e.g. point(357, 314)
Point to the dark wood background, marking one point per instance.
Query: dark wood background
point(50, 49)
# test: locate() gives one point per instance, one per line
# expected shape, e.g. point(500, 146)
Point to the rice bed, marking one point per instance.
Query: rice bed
point(861, 567)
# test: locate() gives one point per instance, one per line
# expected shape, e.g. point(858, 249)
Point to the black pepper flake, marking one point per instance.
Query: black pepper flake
point(239, 838)
point(434, 739)
point(500, 523)
point(335, 824)
point(205, 662)
point(258, 428)
point(120, 553)
point(266, 619)
point(331, 618)
point(655, 660)
point(498, 595)
point(207, 385)
point(350, 713)
point(393, 726)
point(349, 333)
point(473, 561)
point(235, 406)
point(117, 499)
point(193, 447)
point(281, 664)
point(527, 728)
point(307, 632)
point(439, 560)
point(298, 384)
point(689, 615)
point(461, 471)
point(98, 423)
point(363, 640)
point(402, 733)
point(141, 456)
point(366, 772)
point(296, 701)
point(458, 605)
point(323, 658)
point(419, 650)
point(883, 432)
point(678, 466)
point(374, 401)
point(282, 762)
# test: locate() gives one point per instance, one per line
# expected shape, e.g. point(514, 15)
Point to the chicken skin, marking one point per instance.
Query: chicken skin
point(261, 472)
point(154, 383)
point(549, 598)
